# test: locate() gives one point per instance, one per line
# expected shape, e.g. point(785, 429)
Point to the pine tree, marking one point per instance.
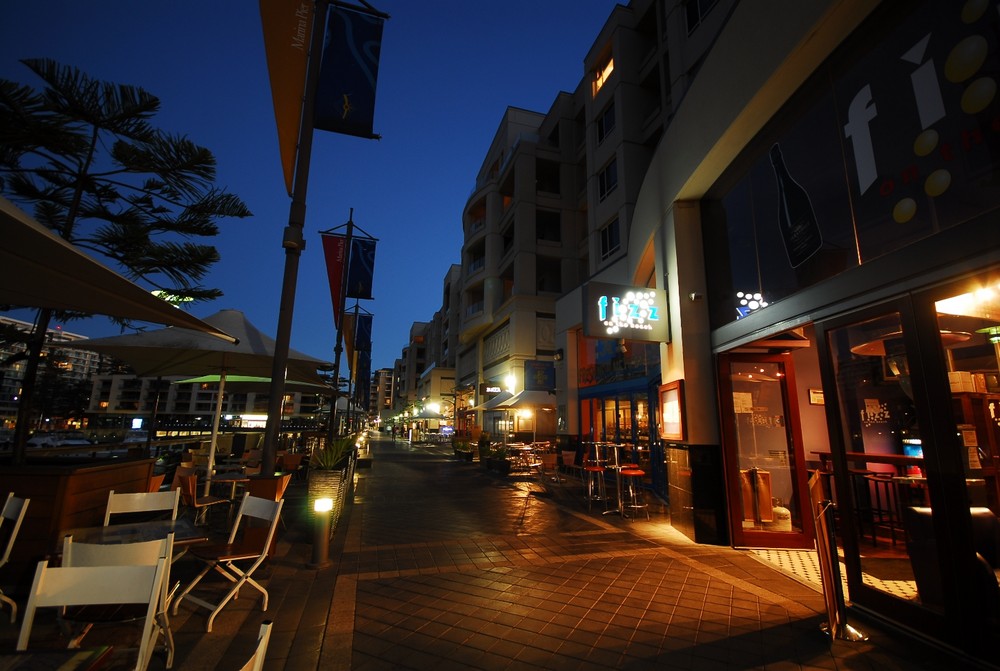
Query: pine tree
point(84, 156)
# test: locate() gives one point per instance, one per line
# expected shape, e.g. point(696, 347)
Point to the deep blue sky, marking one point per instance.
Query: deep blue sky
point(449, 69)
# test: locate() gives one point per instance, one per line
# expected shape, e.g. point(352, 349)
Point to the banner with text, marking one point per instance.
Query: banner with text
point(287, 26)
point(335, 252)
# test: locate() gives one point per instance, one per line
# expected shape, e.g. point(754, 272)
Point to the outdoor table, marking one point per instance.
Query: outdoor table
point(88, 659)
point(184, 530)
point(232, 478)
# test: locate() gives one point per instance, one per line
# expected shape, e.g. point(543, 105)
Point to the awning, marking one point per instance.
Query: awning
point(38, 269)
point(492, 403)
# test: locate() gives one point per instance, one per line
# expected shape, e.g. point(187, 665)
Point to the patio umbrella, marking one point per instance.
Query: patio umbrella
point(240, 384)
point(178, 351)
point(40, 269)
point(531, 398)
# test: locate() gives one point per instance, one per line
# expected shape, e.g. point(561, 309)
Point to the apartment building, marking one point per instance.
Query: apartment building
point(73, 364)
point(121, 400)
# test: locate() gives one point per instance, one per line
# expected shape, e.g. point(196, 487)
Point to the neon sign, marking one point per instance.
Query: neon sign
point(634, 313)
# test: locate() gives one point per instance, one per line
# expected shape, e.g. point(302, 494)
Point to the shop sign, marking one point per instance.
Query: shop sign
point(539, 376)
point(622, 311)
point(489, 389)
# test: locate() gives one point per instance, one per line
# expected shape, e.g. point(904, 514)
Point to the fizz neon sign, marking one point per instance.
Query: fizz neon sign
point(633, 311)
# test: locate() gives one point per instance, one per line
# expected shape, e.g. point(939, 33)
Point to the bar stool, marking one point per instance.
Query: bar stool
point(632, 490)
point(883, 509)
point(862, 499)
point(593, 479)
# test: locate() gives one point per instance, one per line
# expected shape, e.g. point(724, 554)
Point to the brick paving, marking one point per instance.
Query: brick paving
point(439, 564)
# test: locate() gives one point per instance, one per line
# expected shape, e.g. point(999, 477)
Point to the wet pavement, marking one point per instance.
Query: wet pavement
point(439, 564)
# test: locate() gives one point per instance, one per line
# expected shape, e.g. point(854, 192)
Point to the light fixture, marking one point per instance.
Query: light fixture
point(622, 348)
point(558, 356)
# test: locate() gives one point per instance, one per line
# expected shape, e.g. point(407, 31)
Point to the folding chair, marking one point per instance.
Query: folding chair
point(13, 514)
point(188, 486)
point(249, 546)
point(256, 661)
point(141, 502)
point(65, 586)
point(145, 553)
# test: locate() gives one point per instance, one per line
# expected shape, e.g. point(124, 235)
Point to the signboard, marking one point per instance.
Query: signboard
point(622, 311)
point(489, 389)
point(539, 376)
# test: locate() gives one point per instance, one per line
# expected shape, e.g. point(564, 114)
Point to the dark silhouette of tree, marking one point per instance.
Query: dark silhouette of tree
point(83, 155)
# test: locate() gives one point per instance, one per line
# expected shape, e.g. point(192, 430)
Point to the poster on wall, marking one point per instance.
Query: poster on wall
point(672, 410)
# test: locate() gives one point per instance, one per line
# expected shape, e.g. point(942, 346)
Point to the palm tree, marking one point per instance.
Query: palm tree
point(84, 155)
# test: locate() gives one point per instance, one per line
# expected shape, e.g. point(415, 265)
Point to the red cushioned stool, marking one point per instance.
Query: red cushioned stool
point(632, 498)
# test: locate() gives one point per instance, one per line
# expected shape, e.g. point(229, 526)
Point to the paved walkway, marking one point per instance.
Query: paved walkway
point(438, 564)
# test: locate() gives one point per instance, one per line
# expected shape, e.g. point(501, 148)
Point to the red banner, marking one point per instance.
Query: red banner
point(335, 251)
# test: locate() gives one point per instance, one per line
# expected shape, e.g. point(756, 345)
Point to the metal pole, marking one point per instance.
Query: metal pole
point(293, 242)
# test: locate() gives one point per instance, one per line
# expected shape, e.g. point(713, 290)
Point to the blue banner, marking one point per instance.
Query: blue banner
point(345, 95)
point(361, 268)
point(539, 376)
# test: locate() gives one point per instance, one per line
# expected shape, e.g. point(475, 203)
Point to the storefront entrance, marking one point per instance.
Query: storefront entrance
point(764, 460)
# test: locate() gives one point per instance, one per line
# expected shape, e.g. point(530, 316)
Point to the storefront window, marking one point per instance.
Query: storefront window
point(884, 452)
point(764, 449)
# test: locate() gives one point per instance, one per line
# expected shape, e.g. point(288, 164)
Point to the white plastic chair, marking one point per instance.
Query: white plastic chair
point(145, 553)
point(249, 544)
point(256, 661)
point(13, 514)
point(142, 502)
point(63, 586)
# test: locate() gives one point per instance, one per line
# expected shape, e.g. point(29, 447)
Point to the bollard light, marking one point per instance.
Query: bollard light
point(323, 505)
point(321, 537)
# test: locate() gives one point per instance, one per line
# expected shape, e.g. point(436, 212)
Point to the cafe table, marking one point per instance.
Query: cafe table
point(87, 659)
point(184, 530)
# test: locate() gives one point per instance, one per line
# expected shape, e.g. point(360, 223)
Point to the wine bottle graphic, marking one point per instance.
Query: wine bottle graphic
point(796, 219)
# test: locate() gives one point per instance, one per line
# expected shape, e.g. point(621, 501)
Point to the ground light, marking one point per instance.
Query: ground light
point(321, 539)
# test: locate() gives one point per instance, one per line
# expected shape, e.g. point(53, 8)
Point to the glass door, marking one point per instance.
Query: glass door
point(765, 468)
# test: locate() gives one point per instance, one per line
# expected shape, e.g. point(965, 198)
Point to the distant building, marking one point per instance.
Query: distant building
point(73, 364)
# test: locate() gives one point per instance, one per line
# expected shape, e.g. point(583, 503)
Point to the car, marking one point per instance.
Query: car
point(57, 439)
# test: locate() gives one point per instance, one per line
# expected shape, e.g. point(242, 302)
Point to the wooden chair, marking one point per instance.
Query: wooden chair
point(179, 473)
point(272, 489)
point(155, 482)
point(291, 462)
point(247, 545)
point(141, 502)
point(10, 523)
point(145, 553)
point(256, 661)
point(199, 505)
point(64, 586)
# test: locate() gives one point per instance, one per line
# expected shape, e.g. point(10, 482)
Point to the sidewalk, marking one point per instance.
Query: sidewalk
point(440, 565)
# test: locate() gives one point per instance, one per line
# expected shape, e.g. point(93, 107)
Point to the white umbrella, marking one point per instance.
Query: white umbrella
point(531, 398)
point(179, 351)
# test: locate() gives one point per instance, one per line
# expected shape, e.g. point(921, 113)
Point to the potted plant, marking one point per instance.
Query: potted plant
point(331, 472)
point(462, 447)
point(499, 461)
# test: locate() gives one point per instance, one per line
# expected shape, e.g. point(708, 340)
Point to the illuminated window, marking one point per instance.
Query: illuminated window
point(607, 181)
point(602, 75)
point(610, 239)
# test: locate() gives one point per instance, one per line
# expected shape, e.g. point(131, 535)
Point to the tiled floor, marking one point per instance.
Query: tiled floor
point(438, 564)
point(804, 565)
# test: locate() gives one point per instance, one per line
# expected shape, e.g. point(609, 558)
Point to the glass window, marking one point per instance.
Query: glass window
point(602, 74)
point(884, 451)
point(606, 122)
point(607, 180)
point(610, 239)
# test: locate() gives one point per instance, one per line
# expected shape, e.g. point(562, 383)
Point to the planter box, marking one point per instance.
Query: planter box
point(64, 495)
